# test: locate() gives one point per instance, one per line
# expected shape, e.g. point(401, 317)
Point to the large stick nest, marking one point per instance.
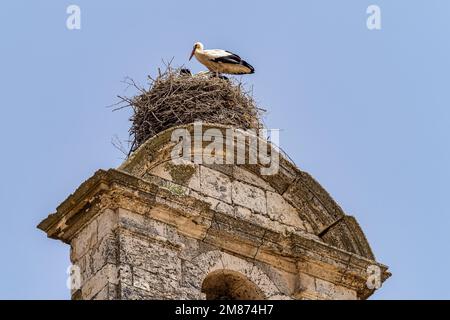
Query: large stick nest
point(176, 97)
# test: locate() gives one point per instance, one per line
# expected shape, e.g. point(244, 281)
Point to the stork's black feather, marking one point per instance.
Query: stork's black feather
point(234, 59)
point(244, 63)
point(233, 54)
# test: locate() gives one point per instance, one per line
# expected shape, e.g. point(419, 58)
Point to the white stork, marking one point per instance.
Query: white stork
point(221, 61)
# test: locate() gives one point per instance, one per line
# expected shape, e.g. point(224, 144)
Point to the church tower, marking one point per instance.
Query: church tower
point(155, 228)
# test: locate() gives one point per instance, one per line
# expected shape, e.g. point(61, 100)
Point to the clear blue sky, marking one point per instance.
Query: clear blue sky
point(365, 112)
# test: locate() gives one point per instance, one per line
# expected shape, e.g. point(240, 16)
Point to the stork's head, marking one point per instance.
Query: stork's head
point(197, 46)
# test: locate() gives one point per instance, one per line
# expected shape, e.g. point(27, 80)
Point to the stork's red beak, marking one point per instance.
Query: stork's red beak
point(192, 54)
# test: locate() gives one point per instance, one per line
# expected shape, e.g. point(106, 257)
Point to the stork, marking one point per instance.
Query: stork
point(220, 61)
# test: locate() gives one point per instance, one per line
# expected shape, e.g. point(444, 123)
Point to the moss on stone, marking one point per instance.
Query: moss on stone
point(181, 173)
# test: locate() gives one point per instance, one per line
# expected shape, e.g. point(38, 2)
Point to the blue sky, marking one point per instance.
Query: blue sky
point(365, 112)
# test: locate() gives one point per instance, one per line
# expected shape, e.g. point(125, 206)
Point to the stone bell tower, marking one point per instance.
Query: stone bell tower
point(155, 229)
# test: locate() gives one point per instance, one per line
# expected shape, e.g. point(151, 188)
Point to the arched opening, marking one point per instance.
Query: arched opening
point(230, 285)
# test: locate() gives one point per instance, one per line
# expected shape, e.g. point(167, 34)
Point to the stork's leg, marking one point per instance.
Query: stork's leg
point(214, 73)
point(218, 75)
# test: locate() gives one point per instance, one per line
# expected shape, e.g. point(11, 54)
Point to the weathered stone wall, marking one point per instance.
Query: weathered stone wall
point(233, 191)
point(128, 255)
point(136, 257)
point(153, 229)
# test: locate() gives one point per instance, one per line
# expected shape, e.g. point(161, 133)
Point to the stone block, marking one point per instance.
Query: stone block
point(149, 281)
point(84, 240)
point(152, 256)
point(215, 184)
point(249, 196)
point(328, 290)
point(248, 177)
point(102, 295)
point(107, 222)
point(108, 274)
point(280, 210)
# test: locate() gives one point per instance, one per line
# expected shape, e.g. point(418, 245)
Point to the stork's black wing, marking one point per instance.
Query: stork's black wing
point(234, 59)
point(230, 58)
